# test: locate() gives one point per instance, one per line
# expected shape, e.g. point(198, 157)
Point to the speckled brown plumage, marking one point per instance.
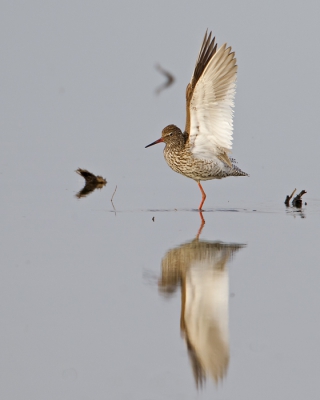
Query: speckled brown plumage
point(179, 157)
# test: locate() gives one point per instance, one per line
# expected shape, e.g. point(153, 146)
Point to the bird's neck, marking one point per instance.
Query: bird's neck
point(178, 144)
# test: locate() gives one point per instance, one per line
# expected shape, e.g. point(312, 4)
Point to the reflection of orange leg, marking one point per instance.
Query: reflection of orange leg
point(203, 196)
point(201, 226)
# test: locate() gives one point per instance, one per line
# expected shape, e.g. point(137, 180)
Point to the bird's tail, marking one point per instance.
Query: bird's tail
point(236, 171)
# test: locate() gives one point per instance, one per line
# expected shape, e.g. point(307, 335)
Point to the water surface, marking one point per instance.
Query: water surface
point(133, 300)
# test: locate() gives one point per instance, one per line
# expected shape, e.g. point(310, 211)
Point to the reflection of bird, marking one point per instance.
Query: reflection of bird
point(201, 152)
point(200, 268)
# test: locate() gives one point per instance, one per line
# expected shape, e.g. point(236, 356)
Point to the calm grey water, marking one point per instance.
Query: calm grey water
point(99, 302)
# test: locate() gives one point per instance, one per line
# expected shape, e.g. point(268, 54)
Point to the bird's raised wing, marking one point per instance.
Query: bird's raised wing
point(210, 99)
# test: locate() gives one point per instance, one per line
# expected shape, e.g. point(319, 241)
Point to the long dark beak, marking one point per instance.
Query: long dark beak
point(157, 141)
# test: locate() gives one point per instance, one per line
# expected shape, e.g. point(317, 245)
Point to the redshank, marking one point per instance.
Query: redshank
point(201, 152)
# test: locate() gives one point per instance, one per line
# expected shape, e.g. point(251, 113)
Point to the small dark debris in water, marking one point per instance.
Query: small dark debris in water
point(153, 219)
point(90, 177)
point(92, 182)
point(288, 198)
point(305, 203)
point(114, 193)
point(115, 212)
point(296, 202)
point(169, 82)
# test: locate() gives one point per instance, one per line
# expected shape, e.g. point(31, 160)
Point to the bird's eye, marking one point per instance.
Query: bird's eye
point(170, 134)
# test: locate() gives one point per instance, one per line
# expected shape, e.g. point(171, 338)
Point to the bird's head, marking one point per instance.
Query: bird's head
point(170, 134)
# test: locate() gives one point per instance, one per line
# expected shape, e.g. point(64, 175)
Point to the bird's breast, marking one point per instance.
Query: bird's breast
point(183, 162)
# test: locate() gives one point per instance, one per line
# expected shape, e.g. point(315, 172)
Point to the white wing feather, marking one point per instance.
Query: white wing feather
point(211, 106)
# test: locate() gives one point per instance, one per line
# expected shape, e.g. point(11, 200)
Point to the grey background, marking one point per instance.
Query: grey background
point(81, 316)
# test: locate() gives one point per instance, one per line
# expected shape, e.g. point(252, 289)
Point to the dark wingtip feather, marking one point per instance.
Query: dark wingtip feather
point(207, 51)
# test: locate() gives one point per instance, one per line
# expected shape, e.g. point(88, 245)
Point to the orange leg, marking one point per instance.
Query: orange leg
point(203, 196)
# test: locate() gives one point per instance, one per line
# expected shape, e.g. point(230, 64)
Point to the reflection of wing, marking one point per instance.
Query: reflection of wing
point(201, 267)
point(206, 316)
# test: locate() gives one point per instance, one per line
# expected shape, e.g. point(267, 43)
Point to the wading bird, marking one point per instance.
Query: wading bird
point(201, 152)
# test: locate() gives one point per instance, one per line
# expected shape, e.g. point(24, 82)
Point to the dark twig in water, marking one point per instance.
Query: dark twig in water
point(112, 199)
point(297, 201)
point(92, 182)
point(114, 193)
point(288, 198)
point(170, 79)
